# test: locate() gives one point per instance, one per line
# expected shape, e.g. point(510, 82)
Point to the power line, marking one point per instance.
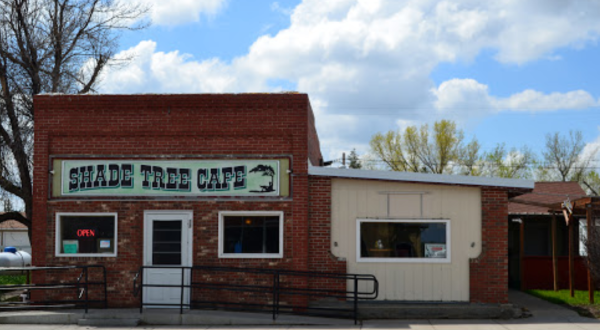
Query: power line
point(397, 111)
point(478, 164)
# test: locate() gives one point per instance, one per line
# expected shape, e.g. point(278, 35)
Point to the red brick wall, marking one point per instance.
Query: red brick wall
point(319, 244)
point(179, 125)
point(214, 125)
point(314, 148)
point(489, 273)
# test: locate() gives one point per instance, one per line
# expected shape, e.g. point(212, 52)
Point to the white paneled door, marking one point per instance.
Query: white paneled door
point(168, 244)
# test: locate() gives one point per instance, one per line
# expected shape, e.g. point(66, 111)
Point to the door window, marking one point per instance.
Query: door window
point(166, 242)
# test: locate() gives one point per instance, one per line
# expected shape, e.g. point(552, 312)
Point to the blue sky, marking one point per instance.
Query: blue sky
point(226, 34)
point(506, 71)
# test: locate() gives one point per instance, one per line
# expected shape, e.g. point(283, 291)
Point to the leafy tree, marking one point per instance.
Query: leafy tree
point(442, 150)
point(388, 147)
point(354, 160)
point(49, 46)
point(370, 162)
point(591, 181)
point(508, 164)
point(564, 156)
point(471, 159)
point(419, 149)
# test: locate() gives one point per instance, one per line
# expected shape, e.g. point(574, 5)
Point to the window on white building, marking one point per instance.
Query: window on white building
point(380, 240)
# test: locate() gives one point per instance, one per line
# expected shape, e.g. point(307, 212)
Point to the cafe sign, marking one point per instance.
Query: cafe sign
point(170, 177)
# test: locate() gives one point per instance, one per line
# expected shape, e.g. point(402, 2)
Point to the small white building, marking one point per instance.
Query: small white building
point(14, 233)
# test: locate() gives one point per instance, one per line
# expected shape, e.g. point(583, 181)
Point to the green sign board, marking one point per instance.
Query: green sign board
point(170, 177)
point(70, 246)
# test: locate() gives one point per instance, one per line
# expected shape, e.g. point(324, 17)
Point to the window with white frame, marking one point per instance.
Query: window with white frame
point(250, 234)
point(86, 234)
point(383, 240)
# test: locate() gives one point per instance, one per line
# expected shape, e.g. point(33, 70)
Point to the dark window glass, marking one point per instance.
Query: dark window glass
point(537, 238)
point(166, 242)
point(87, 234)
point(402, 240)
point(562, 236)
point(251, 234)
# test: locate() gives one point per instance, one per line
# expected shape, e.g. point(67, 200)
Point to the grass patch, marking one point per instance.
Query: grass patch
point(564, 297)
point(12, 279)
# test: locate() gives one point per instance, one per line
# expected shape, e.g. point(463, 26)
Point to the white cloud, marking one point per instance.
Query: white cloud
point(276, 7)
point(366, 64)
point(181, 11)
point(459, 96)
point(592, 150)
point(172, 72)
point(530, 100)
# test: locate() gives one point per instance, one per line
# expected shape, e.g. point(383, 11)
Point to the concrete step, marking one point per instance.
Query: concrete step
point(97, 322)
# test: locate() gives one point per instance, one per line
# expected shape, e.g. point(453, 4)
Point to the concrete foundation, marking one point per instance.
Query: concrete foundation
point(439, 311)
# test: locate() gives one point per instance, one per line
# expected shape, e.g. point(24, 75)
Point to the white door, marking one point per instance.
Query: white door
point(168, 244)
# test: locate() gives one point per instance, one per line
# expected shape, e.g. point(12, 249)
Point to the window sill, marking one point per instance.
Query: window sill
point(250, 256)
point(87, 255)
point(407, 260)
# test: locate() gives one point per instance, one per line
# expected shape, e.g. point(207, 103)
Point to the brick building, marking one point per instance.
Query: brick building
point(531, 229)
point(234, 180)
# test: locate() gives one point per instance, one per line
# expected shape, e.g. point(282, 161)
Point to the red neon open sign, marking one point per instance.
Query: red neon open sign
point(86, 233)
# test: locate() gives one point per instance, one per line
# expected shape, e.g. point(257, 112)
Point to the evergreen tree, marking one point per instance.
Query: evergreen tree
point(354, 160)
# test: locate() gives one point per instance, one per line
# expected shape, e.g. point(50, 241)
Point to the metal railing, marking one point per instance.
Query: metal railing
point(79, 282)
point(273, 285)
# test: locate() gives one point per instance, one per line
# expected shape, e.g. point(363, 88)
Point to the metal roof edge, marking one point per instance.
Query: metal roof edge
point(420, 177)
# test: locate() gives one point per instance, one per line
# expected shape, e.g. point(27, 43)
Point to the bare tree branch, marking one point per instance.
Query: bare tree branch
point(46, 46)
point(590, 187)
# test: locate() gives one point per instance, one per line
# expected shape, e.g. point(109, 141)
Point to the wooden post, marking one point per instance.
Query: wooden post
point(522, 252)
point(588, 215)
point(554, 261)
point(571, 284)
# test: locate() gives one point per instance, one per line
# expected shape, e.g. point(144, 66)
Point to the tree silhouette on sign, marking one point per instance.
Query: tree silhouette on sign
point(266, 171)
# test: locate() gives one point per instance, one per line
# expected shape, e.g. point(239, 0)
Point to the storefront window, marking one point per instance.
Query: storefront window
point(403, 240)
point(251, 234)
point(86, 234)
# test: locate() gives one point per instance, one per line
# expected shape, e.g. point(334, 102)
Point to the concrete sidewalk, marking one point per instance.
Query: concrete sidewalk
point(167, 317)
point(546, 316)
point(524, 324)
point(540, 308)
